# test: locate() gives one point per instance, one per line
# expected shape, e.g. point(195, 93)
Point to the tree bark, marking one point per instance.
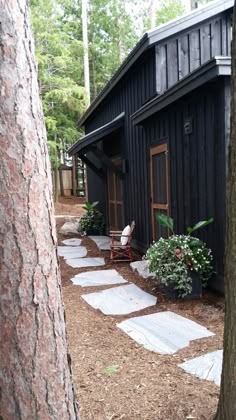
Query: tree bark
point(227, 401)
point(35, 375)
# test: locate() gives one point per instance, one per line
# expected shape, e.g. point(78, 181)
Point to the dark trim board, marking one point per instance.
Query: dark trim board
point(219, 66)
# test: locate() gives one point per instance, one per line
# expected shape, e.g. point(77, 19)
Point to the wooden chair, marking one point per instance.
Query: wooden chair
point(119, 252)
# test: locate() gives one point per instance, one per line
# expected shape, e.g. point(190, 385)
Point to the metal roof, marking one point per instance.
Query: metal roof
point(154, 36)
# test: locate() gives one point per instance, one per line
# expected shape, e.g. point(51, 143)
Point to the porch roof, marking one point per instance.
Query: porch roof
point(87, 146)
point(84, 144)
point(218, 66)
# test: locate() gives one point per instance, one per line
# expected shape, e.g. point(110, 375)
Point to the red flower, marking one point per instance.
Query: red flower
point(177, 251)
point(189, 263)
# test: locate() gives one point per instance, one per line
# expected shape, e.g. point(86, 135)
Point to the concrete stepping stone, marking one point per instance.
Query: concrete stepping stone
point(163, 332)
point(85, 262)
point(102, 242)
point(70, 252)
point(141, 267)
point(208, 366)
point(120, 300)
point(98, 278)
point(72, 242)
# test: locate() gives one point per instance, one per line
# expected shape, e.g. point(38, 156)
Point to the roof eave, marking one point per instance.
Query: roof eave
point(219, 66)
point(138, 50)
point(96, 135)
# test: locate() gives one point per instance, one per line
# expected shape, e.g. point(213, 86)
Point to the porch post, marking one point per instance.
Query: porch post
point(74, 186)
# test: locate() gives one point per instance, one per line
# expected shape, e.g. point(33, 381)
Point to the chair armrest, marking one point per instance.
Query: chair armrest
point(120, 234)
point(115, 231)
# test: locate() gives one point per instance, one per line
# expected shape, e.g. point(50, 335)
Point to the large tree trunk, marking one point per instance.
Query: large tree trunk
point(227, 401)
point(35, 376)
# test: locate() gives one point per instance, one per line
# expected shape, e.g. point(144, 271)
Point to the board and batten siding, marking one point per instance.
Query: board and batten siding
point(177, 57)
point(197, 163)
point(128, 96)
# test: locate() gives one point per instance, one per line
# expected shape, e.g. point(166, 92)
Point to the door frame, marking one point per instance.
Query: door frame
point(162, 148)
point(115, 201)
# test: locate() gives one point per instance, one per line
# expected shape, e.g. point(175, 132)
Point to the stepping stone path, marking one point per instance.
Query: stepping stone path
point(85, 262)
point(70, 252)
point(163, 332)
point(98, 278)
point(102, 242)
point(120, 300)
point(141, 267)
point(72, 242)
point(208, 366)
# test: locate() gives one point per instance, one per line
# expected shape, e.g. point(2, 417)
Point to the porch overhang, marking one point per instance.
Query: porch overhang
point(88, 144)
point(218, 66)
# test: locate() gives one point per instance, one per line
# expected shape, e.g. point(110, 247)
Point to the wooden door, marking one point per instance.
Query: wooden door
point(159, 188)
point(115, 201)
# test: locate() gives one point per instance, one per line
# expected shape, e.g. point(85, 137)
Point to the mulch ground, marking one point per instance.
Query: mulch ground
point(144, 385)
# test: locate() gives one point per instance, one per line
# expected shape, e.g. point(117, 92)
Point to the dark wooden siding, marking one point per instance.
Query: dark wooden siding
point(128, 96)
point(197, 160)
point(176, 57)
point(197, 164)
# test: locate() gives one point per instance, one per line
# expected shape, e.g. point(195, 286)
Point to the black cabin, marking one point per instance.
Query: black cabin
point(156, 137)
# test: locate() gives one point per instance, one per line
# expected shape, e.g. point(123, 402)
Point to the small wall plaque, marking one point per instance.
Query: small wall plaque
point(188, 126)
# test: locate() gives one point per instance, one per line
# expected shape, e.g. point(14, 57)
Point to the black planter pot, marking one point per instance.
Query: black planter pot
point(196, 289)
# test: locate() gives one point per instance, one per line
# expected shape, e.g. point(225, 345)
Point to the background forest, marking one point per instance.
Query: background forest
point(114, 27)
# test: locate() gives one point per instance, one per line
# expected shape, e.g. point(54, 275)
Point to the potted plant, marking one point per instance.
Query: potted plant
point(91, 223)
point(182, 263)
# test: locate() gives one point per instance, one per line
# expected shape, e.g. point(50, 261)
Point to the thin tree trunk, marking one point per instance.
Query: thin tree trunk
point(85, 46)
point(94, 78)
point(227, 401)
point(56, 176)
point(152, 14)
point(35, 375)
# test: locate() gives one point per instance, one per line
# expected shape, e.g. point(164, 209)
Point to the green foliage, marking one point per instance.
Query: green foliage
point(174, 259)
point(57, 31)
point(111, 37)
point(200, 225)
point(90, 206)
point(60, 70)
point(169, 10)
point(111, 369)
point(93, 220)
point(168, 223)
point(165, 221)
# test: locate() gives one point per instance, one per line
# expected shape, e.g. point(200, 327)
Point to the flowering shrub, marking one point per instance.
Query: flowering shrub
point(174, 259)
